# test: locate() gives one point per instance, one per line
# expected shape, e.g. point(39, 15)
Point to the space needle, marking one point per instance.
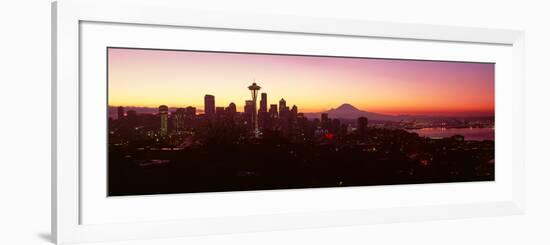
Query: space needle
point(254, 91)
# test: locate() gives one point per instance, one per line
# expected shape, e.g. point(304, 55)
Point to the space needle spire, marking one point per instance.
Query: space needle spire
point(254, 88)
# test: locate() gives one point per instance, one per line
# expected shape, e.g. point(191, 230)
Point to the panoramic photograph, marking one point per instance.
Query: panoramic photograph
point(185, 121)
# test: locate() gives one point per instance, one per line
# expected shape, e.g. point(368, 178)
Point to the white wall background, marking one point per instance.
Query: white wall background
point(25, 122)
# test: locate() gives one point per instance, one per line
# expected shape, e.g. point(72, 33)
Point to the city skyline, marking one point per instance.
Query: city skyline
point(280, 148)
point(216, 129)
point(149, 78)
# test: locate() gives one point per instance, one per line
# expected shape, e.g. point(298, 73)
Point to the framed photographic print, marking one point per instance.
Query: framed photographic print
point(170, 122)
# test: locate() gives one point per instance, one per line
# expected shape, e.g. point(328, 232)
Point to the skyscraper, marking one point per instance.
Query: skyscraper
point(178, 119)
point(325, 121)
point(248, 112)
point(263, 103)
point(283, 109)
point(190, 112)
point(209, 105)
point(282, 104)
point(163, 112)
point(120, 112)
point(231, 110)
point(263, 117)
point(294, 111)
point(254, 88)
point(273, 113)
point(220, 111)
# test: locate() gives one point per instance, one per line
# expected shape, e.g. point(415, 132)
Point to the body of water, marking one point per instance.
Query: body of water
point(468, 133)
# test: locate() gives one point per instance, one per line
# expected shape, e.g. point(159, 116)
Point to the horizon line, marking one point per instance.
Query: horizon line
point(424, 114)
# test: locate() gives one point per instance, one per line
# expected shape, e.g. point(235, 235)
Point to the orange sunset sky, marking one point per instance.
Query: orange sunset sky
point(149, 78)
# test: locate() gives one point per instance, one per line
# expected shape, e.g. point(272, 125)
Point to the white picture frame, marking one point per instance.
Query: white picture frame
point(67, 17)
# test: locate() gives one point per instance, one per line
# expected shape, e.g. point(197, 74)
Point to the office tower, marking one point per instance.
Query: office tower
point(283, 117)
point(325, 121)
point(283, 110)
point(290, 121)
point(163, 112)
point(190, 115)
point(178, 119)
point(362, 123)
point(263, 116)
point(120, 112)
point(248, 112)
point(220, 111)
point(282, 105)
point(231, 110)
point(294, 111)
point(273, 113)
point(254, 88)
point(190, 112)
point(209, 105)
point(263, 103)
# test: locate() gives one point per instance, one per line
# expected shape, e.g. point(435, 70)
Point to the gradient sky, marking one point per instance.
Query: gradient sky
point(141, 77)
